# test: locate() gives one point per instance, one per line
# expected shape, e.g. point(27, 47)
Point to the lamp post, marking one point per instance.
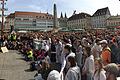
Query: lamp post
point(3, 10)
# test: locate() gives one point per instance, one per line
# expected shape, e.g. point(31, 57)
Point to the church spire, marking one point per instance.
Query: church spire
point(61, 15)
point(65, 15)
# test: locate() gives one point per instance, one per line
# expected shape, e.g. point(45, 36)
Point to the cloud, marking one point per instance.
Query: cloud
point(68, 6)
point(90, 6)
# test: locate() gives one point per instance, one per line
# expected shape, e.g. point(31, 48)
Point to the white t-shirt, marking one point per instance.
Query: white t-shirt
point(118, 78)
point(89, 64)
point(73, 74)
point(96, 49)
point(65, 62)
point(100, 76)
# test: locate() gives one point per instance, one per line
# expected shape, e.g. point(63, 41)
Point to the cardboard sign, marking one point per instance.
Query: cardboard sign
point(4, 49)
point(118, 78)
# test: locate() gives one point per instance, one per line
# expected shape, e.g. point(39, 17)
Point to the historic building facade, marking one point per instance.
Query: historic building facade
point(79, 21)
point(63, 21)
point(98, 20)
point(29, 21)
point(45, 21)
point(113, 22)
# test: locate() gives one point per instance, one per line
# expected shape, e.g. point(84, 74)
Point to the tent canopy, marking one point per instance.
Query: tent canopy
point(117, 27)
point(22, 31)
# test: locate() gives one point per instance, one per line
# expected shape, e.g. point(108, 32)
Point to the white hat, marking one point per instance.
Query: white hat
point(104, 41)
point(46, 48)
point(54, 75)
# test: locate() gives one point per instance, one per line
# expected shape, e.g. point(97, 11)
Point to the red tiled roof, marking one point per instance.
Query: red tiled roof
point(12, 15)
point(79, 16)
point(31, 14)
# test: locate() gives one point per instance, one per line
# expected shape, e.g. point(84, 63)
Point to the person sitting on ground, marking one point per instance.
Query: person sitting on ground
point(29, 54)
point(44, 70)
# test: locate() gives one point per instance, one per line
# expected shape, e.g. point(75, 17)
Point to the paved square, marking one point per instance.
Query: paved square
point(12, 67)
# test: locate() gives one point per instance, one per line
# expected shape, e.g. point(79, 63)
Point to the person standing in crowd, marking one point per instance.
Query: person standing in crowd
point(53, 50)
point(112, 71)
point(65, 66)
point(59, 49)
point(106, 52)
point(88, 68)
point(36, 43)
point(45, 46)
point(79, 52)
point(96, 49)
point(118, 54)
point(114, 51)
point(13, 36)
point(2, 39)
point(74, 71)
point(54, 75)
point(85, 42)
point(99, 71)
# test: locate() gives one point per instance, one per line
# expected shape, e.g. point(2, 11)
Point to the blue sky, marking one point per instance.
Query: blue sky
point(68, 6)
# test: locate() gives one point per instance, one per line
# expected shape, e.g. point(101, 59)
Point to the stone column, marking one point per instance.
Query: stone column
point(55, 20)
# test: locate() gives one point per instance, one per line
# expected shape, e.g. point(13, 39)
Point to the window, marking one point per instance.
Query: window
point(34, 21)
point(39, 16)
point(25, 19)
point(36, 16)
point(18, 18)
point(34, 24)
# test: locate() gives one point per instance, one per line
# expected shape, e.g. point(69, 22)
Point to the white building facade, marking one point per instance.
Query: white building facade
point(98, 20)
point(113, 22)
point(79, 21)
point(30, 21)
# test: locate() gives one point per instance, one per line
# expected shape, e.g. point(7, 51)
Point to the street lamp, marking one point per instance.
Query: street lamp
point(3, 10)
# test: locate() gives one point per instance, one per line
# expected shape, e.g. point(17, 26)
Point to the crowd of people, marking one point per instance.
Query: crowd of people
point(89, 55)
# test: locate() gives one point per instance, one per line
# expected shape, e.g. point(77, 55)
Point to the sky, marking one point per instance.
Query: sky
point(68, 6)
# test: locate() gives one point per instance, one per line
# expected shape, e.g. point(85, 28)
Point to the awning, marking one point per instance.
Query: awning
point(118, 27)
point(22, 31)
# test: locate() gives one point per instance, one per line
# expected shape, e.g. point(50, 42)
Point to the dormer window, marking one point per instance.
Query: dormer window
point(39, 16)
point(36, 16)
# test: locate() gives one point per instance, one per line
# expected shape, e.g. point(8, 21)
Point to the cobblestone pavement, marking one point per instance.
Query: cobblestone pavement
point(12, 67)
